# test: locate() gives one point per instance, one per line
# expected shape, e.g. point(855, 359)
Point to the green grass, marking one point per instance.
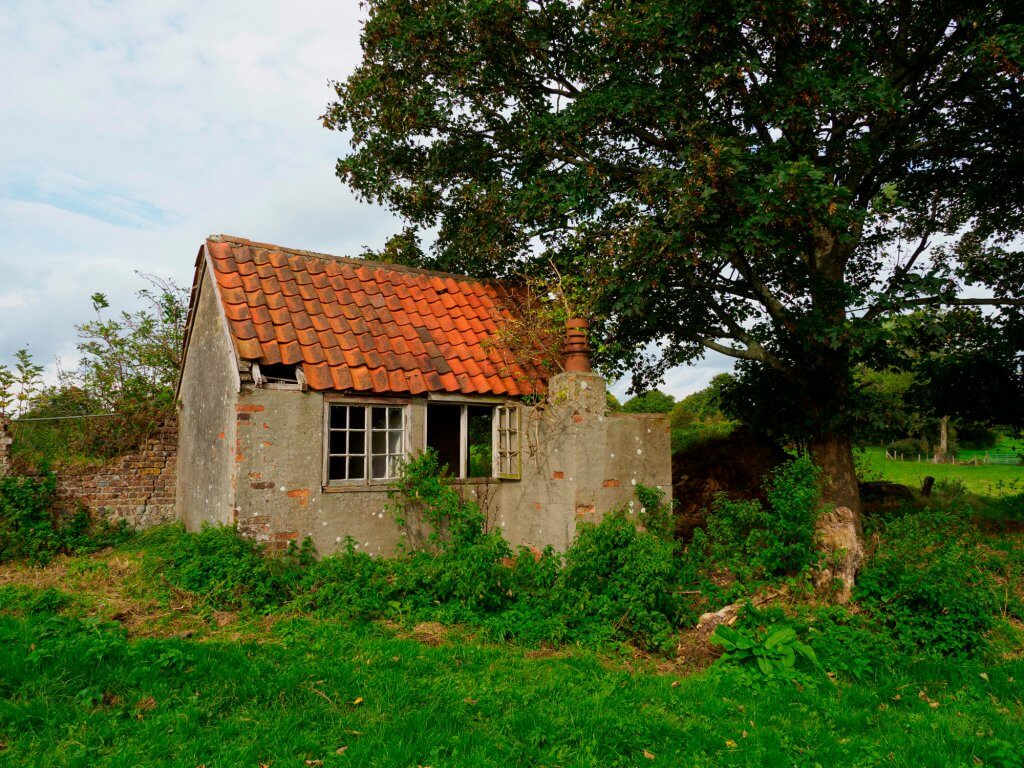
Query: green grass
point(985, 479)
point(306, 690)
point(97, 669)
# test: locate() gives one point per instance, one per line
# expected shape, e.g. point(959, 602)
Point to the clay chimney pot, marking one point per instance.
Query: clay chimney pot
point(577, 349)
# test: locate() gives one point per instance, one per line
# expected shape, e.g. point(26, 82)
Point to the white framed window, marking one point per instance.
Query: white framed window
point(364, 442)
point(508, 453)
point(476, 440)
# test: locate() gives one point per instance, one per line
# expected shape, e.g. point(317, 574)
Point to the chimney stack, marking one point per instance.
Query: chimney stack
point(577, 350)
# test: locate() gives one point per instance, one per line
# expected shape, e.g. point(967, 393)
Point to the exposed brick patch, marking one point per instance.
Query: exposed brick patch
point(249, 408)
point(281, 540)
point(256, 527)
point(558, 475)
point(264, 486)
point(611, 483)
point(243, 417)
point(137, 487)
point(585, 510)
point(302, 494)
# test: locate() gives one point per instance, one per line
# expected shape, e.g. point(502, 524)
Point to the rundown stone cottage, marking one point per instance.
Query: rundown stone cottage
point(307, 379)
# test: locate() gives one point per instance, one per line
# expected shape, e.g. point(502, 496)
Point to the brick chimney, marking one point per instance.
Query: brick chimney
point(577, 349)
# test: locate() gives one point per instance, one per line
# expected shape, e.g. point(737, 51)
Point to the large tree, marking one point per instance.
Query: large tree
point(769, 179)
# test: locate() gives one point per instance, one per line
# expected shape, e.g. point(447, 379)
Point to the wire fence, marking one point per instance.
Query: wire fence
point(973, 459)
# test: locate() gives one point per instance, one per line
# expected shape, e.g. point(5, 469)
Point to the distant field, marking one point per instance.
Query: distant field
point(988, 480)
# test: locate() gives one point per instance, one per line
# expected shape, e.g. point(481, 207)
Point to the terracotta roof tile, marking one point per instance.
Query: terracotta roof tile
point(363, 326)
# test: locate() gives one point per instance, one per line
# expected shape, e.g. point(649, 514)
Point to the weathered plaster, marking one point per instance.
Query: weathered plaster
point(206, 419)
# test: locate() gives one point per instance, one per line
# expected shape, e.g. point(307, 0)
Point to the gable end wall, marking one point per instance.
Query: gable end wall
point(205, 490)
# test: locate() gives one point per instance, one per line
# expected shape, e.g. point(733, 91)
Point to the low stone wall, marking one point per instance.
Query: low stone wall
point(137, 487)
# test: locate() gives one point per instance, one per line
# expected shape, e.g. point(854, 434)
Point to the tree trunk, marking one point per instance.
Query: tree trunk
point(839, 527)
point(834, 455)
point(943, 449)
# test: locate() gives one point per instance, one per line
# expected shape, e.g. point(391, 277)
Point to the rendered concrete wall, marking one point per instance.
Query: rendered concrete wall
point(280, 492)
point(578, 464)
point(205, 489)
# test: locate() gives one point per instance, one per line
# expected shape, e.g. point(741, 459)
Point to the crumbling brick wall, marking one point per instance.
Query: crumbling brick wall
point(137, 487)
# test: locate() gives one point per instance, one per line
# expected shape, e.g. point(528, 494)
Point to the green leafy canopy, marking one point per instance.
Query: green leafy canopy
point(767, 179)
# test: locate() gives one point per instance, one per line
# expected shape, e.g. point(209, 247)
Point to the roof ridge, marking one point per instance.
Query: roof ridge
point(355, 261)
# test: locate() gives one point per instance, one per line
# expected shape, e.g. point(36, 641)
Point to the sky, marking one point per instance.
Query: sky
point(131, 130)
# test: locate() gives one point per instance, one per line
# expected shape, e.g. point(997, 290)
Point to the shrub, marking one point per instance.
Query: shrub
point(911, 446)
point(623, 579)
point(753, 541)
point(926, 584)
point(226, 570)
point(463, 560)
point(30, 531)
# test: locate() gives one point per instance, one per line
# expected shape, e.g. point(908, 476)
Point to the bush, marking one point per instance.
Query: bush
point(910, 446)
point(228, 571)
point(623, 579)
point(30, 531)
point(751, 540)
point(926, 583)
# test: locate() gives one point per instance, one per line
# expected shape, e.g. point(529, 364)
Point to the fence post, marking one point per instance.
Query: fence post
point(5, 445)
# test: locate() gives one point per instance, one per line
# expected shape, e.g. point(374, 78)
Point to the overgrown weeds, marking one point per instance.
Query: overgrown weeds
point(31, 531)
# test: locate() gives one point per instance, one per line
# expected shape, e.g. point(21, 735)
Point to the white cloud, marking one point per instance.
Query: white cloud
point(131, 130)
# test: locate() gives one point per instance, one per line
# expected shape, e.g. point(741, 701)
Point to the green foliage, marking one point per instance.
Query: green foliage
point(927, 584)
point(617, 582)
point(622, 579)
point(128, 370)
point(850, 644)
point(652, 401)
point(774, 652)
point(655, 512)
point(698, 432)
point(225, 570)
point(909, 446)
point(26, 600)
point(716, 176)
point(754, 541)
point(30, 531)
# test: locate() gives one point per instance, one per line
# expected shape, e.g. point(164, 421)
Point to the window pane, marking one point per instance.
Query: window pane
point(379, 445)
point(356, 468)
point(378, 418)
point(443, 434)
point(338, 416)
point(394, 442)
point(357, 417)
point(336, 469)
point(380, 465)
point(394, 464)
point(357, 442)
point(395, 418)
point(479, 420)
point(336, 442)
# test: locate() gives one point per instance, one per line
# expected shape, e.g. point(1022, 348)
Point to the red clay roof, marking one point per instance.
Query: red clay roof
point(366, 326)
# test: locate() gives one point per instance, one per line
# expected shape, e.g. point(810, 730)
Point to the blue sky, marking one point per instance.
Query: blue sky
point(132, 130)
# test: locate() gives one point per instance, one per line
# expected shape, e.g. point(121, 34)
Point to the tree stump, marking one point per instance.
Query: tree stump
point(838, 540)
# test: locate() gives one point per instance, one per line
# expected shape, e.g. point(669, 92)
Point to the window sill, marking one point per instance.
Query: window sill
point(360, 488)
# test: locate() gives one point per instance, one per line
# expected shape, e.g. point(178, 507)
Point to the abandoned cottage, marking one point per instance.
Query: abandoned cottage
point(308, 378)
